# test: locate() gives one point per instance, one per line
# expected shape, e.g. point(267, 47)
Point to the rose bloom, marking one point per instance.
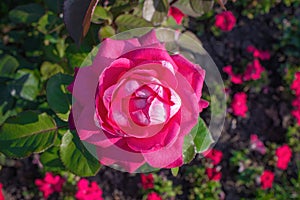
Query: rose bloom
point(225, 21)
point(136, 103)
point(87, 191)
point(266, 179)
point(1, 194)
point(153, 196)
point(284, 154)
point(147, 181)
point(213, 174)
point(50, 184)
point(214, 155)
point(239, 104)
point(176, 14)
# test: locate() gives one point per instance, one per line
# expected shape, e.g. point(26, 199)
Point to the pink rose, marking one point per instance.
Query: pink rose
point(284, 155)
point(266, 179)
point(136, 103)
point(225, 21)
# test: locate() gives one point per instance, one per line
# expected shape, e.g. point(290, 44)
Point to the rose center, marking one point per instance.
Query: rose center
point(150, 105)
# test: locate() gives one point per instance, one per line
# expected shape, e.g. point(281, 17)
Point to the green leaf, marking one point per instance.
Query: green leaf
point(101, 14)
point(126, 22)
point(27, 133)
point(58, 98)
point(26, 85)
point(175, 171)
point(8, 66)
point(26, 13)
point(51, 160)
point(76, 157)
point(48, 22)
point(201, 6)
point(106, 32)
point(189, 151)
point(203, 138)
point(49, 69)
point(155, 10)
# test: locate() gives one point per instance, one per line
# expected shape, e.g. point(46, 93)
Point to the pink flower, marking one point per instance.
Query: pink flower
point(253, 71)
point(147, 181)
point(296, 84)
point(284, 154)
point(266, 179)
point(176, 14)
point(296, 114)
point(225, 21)
point(263, 55)
point(136, 103)
point(1, 194)
point(234, 78)
point(239, 104)
point(257, 144)
point(153, 196)
point(50, 184)
point(213, 174)
point(214, 155)
point(86, 192)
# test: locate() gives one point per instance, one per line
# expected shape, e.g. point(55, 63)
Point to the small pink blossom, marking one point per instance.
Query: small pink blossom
point(296, 84)
point(214, 155)
point(234, 78)
point(1, 194)
point(257, 144)
point(50, 184)
point(153, 196)
point(176, 14)
point(284, 154)
point(239, 104)
point(253, 71)
point(263, 55)
point(225, 21)
point(147, 181)
point(213, 174)
point(87, 191)
point(266, 179)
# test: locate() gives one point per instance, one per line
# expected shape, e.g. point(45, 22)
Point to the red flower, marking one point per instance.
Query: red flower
point(147, 181)
point(253, 71)
point(234, 78)
point(153, 196)
point(50, 184)
point(213, 174)
point(296, 84)
point(284, 154)
point(214, 155)
point(296, 114)
point(225, 21)
point(257, 144)
point(263, 55)
point(1, 194)
point(239, 104)
point(176, 14)
point(86, 192)
point(266, 179)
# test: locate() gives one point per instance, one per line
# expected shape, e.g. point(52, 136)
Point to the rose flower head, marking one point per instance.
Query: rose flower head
point(88, 191)
point(239, 104)
point(214, 155)
point(225, 21)
point(266, 179)
point(147, 181)
point(135, 103)
point(50, 184)
point(284, 154)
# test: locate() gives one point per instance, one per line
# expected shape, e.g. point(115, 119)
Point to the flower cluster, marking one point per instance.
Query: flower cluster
point(253, 70)
point(215, 156)
point(283, 154)
point(50, 184)
point(295, 86)
point(225, 21)
point(239, 104)
point(266, 179)
point(88, 191)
